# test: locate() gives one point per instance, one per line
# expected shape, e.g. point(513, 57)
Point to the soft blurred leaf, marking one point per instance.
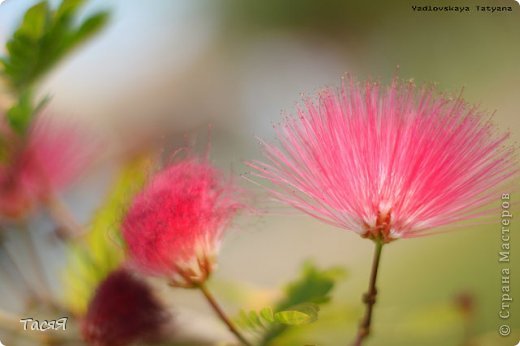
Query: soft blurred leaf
point(298, 315)
point(43, 38)
point(293, 317)
point(20, 114)
point(261, 321)
point(69, 7)
point(336, 325)
point(312, 288)
point(244, 321)
point(267, 314)
point(101, 249)
point(34, 22)
point(90, 26)
point(254, 318)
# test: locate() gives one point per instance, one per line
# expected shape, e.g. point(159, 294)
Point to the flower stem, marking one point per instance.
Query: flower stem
point(222, 315)
point(369, 298)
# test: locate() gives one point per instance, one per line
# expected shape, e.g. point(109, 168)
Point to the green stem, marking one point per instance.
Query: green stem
point(369, 298)
point(222, 315)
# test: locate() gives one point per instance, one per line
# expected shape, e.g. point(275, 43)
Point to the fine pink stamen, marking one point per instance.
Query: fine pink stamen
point(387, 163)
point(174, 226)
point(35, 166)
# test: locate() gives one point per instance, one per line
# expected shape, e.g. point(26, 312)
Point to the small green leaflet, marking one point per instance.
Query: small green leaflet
point(299, 306)
point(296, 316)
point(43, 38)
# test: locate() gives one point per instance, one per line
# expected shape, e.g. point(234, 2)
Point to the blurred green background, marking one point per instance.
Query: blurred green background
point(165, 68)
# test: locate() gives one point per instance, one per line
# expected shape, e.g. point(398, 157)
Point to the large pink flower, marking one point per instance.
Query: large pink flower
point(174, 226)
point(387, 163)
point(38, 164)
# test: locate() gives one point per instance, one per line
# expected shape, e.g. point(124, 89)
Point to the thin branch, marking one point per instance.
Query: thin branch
point(369, 298)
point(222, 315)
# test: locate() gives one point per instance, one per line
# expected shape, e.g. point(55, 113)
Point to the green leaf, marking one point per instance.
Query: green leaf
point(251, 321)
point(35, 21)
point(92, 258)
point(43, 38)
point(311, 289)
point(293, 317)
point(266, 318)
point(20, 114)
point(90, 26)
point(255, 318)
point(267, 314)
point(298, 315)
point(299, 305)
point(314, 286)
point(69, 7)
point(244, 322)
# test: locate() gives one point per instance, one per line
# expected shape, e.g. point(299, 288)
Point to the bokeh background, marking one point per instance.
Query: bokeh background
point(167, 68)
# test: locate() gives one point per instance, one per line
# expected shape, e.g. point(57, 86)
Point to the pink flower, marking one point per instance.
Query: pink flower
point(123, 310)
point(33, 167)
point(387, 163)
point(174, 226)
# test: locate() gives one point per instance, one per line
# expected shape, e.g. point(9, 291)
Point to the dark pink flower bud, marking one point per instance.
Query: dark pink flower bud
point(123, 310)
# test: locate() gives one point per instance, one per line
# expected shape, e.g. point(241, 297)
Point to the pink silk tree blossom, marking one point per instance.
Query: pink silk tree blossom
point(387, 163)
point(39, 163)
point(175, 225)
